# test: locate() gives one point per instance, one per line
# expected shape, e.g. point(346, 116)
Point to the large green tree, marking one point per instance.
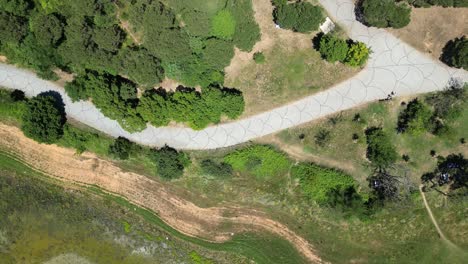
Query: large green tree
point(455, 53)
point(300, 17)
point(44, 119)
point(385, 13)
point(333, 48)
point(170, 163)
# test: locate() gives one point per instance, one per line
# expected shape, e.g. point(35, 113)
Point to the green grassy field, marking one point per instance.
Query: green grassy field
point(340, 150)
point(288, 74)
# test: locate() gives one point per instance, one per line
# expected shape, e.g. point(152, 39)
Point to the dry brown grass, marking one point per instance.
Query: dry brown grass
point(431, 28)
point(293, 69)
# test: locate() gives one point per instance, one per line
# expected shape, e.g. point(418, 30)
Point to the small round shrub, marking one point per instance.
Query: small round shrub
point(333, 49)
point(259, 57)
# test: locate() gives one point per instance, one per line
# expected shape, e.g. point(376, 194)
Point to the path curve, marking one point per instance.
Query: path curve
point(393, 66)
point(434, 221)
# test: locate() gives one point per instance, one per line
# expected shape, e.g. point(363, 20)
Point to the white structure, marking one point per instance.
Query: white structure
point(327, 26)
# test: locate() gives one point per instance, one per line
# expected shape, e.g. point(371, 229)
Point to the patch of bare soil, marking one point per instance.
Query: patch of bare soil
point(431, 28)
point(263, 11)
point(64, 77)
point(183, 215)
point(3, 59)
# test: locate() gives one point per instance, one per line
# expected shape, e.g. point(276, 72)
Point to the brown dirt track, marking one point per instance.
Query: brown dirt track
point(186, 217)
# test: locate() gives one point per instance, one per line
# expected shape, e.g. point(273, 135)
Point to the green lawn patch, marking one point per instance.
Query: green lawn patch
point(259, 160)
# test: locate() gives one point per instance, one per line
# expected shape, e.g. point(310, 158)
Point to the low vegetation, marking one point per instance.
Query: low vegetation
point(260, 161)
point(299, 16)
point(384, 13)
point(318, 183)
point(259, 57)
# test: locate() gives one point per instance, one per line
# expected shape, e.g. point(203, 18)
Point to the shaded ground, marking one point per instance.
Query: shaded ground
point(209, 223)
point(431, 28)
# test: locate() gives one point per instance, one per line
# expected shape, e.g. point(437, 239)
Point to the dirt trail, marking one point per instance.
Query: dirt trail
point(126, 26)
point(434, 221)
point(183, 215)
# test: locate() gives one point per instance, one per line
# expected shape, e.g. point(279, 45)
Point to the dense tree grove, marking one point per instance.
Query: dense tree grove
point(384, 13)
point(117, 98)
point(333, 49)
point(44, 118)
point(189, 42)
point(455, 53)
point(444, 3)
point(298, 16)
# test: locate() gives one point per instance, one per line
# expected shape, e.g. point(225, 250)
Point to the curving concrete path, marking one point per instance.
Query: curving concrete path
point(393, 66)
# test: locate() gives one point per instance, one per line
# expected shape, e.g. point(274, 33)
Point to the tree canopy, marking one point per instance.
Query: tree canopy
point(44, 119)
point(333, 49)
point(451, 171)
point(298, 16)
point(83, 37)
point(380, 149)
point(455, 53)
point(385, 13)
point(415, 118)
point(169, 162)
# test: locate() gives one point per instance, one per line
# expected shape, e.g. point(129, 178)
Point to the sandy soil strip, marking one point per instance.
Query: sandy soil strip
point(183, 215)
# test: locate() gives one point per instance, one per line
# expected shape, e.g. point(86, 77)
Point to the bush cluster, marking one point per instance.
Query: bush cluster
point(298, 16)
point(333, 49)
point(384, 13)
point(117, 99)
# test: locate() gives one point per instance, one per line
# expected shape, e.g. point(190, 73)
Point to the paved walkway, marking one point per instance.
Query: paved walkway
point(393, 66)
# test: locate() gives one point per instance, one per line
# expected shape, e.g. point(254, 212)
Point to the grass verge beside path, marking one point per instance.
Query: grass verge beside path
point(260, 247)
